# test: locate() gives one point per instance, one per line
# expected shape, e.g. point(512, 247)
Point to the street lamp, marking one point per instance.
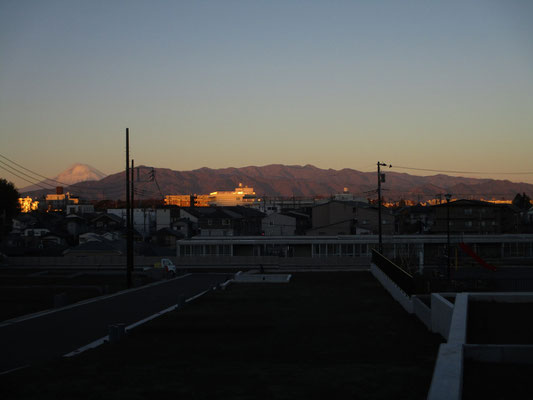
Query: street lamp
point(448, 196)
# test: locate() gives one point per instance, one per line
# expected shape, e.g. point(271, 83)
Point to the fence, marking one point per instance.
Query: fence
point(396, 274)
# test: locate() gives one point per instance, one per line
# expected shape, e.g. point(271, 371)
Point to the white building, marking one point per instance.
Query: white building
point(241, 196)
point(144, 220)
point(278, 225)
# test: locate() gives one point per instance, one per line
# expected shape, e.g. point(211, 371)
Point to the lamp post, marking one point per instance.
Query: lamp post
point(448, 196)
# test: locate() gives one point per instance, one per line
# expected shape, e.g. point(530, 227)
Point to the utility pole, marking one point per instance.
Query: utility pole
point(448, 197)
point(381, 178)
point(132, 215)
point(129, 253)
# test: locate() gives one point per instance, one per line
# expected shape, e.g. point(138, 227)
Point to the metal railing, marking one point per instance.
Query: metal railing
point(401, 278)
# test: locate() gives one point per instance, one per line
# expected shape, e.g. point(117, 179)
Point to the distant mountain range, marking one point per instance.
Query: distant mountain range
point(283, 180)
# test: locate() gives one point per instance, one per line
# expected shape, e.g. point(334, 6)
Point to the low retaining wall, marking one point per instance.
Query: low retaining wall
point(398, 294)
point(447, 382)
point(422, 311)
point(208, 261)
point(441, 315)
point(448, 375)
point(262, 278)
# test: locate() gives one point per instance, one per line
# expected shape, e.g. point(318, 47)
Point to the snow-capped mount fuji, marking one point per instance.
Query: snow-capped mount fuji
point(80, 173)
point(75, 174)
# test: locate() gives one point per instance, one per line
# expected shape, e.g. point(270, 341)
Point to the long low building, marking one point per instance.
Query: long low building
point(428, 248)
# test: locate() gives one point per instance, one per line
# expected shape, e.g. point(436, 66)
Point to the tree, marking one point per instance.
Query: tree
point(9, 205)
point(523, 201)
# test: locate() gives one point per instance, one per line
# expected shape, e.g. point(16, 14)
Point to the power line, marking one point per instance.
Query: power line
point(42, 176)
point(155, 180)
point(24, 179)
point(463, 172)
point(33, 181)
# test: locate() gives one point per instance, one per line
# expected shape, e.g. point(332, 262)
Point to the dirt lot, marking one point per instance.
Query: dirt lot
point(324, 335)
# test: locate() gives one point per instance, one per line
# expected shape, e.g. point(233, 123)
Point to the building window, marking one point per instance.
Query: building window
point(468, 211)
point(468, 224)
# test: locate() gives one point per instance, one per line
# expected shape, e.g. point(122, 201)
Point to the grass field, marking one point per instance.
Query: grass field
point(322, 336)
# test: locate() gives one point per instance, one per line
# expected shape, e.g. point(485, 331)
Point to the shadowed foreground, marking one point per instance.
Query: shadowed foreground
point(324, 335)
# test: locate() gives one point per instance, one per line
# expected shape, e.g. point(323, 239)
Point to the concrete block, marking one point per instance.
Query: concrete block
point(422, 311)
point(117, 332)
point(263, 278)
point(458, 325)
point(441, 315)
point(447, 382)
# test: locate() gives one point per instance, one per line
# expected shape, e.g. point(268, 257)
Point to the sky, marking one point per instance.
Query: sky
point(336, 84)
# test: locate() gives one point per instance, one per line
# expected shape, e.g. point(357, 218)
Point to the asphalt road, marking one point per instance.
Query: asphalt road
point(28, 341)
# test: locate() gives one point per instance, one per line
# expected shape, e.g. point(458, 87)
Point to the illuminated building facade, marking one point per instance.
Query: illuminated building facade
point(27, 204)
point(241, 196)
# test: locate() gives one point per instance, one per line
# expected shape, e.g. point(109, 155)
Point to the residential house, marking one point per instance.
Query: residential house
point(277, 224)
point(476, 217)
point(75, 225)
point(303, 221)
point(414, 219)
point(107, 222)
point(349, 218)
point(80, 209)
point(224, 221)
point(144, 219)
point(167, 237)
point(23, 221)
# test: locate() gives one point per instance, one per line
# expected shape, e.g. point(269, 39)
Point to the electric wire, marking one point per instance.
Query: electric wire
point(464, 172)
point(39, 182)
point(24, 179)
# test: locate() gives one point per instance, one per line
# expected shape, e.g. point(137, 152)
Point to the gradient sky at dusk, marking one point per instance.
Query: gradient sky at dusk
point(337, 84)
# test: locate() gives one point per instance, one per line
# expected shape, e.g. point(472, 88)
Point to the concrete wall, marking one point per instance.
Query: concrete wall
point(140, 261)
point(422, 311)
point(398, 294)
point(262, 278)
point(441, 315)
point(448, 375)
point(447, 382)
point(459, 322)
